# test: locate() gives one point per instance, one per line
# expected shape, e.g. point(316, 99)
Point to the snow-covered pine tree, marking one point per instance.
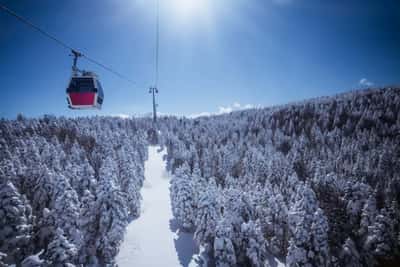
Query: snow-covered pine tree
point(15, 223)
point(319, 230)
point(60, 252)
point(129, 181)
point(224, 251)
point(349, 255)
point(381, 240)
point(207, 215)
point(66, 212)
point(272, 213)
point(297, 255)
point(183, 197)
point(87, 180)
point(46, 228)
point(88, 225)
point(113, 212)
point(301, 217)
point(367, 217)
point(253, 243)
point(43, 189)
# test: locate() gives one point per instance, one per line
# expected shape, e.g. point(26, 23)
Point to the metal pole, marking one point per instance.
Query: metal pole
point(76, 55)
point(154, 107)
point(154, 91)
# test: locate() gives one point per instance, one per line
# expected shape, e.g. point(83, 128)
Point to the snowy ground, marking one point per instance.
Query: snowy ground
point(154, 239)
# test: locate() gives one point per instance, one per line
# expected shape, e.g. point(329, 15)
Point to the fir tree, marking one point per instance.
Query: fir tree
point(183, 197)
point(60, 252)
point(15, 223)
point(224, 251)
point(207, 215)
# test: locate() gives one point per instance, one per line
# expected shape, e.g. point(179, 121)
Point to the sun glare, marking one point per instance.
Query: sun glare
point(188, 9)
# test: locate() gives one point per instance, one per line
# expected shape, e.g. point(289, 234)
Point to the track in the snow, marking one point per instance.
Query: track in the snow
point(153, 239)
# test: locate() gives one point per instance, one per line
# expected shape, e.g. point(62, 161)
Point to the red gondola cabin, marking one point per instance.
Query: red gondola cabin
point(85, 92)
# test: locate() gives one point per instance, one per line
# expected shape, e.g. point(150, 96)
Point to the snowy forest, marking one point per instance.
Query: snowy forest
point(313, 183)
point(68, 189)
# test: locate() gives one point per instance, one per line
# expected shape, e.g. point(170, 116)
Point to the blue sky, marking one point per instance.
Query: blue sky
point(214, 55)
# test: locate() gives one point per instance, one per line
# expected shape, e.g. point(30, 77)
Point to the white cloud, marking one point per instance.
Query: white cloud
point(365, 82)
point(201, 114)
point(122, 116)
point(222, 110)
point(236, 105)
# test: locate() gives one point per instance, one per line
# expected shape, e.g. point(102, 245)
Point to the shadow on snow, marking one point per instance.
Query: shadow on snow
point(185, 246)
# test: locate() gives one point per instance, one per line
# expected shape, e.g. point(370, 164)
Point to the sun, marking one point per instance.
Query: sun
point(189, 9)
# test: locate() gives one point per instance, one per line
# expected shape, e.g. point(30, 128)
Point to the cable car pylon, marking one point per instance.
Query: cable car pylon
point(154, 89)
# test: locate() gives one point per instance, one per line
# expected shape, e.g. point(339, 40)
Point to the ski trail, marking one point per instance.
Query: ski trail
point(153, 239)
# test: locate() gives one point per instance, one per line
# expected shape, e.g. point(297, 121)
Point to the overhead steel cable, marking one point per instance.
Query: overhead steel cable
point(30, 24)
point(154, 90)
point(63, 44)
point(108, 69)
point(157, 44)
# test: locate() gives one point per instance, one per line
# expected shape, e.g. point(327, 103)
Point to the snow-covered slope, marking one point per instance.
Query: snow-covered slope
point(316, 183)
point(153, 239)
point(68, 187)
point(313, 183)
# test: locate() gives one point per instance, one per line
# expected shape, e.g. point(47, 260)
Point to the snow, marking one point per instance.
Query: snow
point(33, 260)
point(274, 262)
point(154, 238)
